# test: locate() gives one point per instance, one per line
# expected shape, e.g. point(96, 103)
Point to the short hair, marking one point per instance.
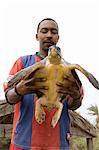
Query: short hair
point(44, 20)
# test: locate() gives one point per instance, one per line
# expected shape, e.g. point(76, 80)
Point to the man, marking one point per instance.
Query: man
point(27, 133)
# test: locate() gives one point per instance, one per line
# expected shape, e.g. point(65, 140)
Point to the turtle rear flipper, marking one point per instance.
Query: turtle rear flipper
point(90, 77)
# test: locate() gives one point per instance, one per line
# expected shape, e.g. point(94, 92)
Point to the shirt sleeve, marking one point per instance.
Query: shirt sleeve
point(18, 65)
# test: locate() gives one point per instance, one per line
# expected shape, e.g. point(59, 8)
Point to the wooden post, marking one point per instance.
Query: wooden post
point(89, 144)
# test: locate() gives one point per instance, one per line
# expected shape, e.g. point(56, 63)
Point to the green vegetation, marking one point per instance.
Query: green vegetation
point(96, 143)
point(79, 143)
point(94, 111)
point(4, 143)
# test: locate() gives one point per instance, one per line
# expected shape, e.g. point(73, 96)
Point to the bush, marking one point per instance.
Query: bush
point(79, 143)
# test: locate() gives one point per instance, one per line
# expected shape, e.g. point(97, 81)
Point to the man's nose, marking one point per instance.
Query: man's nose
point(49, 34)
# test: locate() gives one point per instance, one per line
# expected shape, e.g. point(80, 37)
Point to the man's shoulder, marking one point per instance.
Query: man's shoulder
point(28, 60)
point(27, 56)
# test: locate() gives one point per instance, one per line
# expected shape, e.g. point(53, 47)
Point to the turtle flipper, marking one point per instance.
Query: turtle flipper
point(24, 73)
point(93, 80)
point(90, 77)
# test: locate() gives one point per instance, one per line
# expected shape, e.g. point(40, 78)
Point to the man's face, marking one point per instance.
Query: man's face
point(47, 34)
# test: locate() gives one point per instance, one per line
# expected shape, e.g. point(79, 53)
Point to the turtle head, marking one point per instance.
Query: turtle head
point(54, 54)
point(54, 51)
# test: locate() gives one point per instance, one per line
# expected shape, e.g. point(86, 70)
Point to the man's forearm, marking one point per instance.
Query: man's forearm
point(12, 97)
point(76, 103)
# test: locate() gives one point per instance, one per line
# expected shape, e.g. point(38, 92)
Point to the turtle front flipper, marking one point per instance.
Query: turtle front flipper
point(24, 74)
point(90, 77)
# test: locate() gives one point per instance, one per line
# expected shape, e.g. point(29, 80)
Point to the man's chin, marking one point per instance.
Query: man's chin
point(46, 48)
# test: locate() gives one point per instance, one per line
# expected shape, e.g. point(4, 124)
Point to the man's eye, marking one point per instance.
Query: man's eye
point(44, 30)
point(54, 31)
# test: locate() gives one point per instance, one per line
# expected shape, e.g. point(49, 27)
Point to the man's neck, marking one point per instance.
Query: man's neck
point(43, 53)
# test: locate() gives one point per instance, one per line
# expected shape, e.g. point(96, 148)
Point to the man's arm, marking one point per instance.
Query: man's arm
point(72, 90)
point(25, 86)
point(74, 104)
point(12, 97)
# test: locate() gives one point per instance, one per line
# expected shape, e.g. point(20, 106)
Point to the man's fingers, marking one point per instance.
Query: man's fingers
point(64, 84)
point(72, 81)
point(33, 81)
point(40, 79)
point(66, 92)
point(68, 97)
point(43, 87)
point(62, 91)
point(38, 88)
point(68, 85)
point(59, 84)
point(69, 78)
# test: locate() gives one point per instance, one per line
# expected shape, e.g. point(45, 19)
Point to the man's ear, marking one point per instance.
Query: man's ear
point(37, 37)
point(58, 38)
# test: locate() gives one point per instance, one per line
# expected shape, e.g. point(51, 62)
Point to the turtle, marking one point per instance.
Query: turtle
point(53, 68)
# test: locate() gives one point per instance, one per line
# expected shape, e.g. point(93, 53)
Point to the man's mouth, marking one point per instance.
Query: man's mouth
point(49, 43)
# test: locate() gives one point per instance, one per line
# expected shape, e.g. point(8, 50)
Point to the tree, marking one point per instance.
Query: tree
point(95, 111)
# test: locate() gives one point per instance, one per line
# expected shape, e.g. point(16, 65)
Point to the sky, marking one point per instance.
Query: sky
point(78, 22)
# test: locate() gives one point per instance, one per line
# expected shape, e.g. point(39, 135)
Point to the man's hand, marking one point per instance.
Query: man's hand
point(32, 85)
point(69, 87)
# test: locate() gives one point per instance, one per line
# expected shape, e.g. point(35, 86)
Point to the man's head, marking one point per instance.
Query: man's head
point(47, 33)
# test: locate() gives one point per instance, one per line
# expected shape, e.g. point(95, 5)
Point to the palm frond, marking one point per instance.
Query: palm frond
point(93, 110)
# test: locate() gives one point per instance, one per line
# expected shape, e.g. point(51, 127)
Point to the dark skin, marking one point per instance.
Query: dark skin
point(47, 36)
